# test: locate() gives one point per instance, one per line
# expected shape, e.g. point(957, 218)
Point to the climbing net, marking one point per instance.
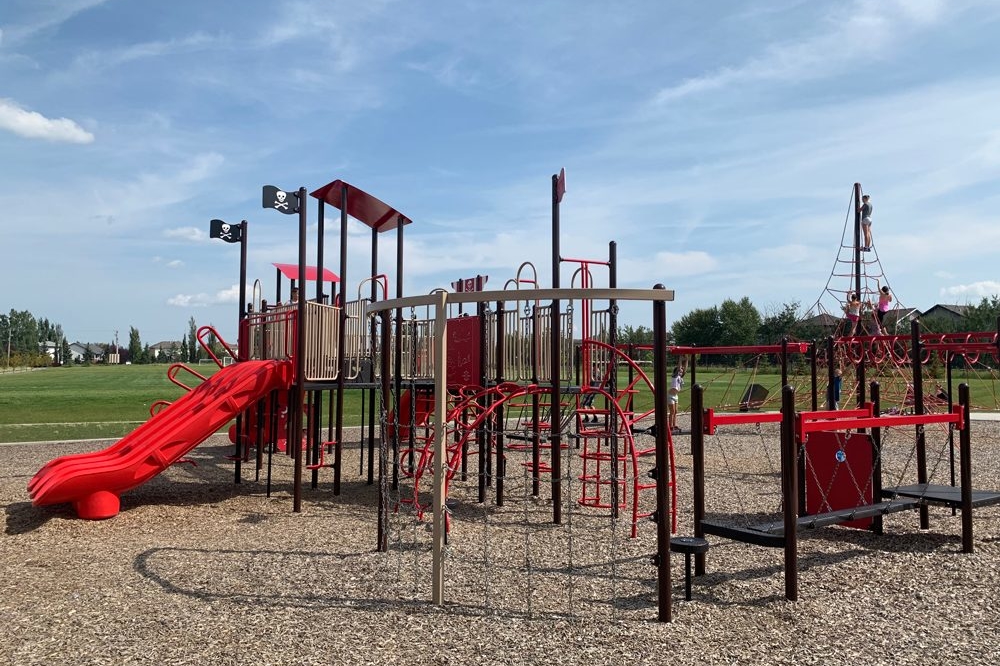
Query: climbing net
point(503, 554)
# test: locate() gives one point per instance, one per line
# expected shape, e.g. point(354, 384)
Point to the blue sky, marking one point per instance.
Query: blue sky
point(717, 143)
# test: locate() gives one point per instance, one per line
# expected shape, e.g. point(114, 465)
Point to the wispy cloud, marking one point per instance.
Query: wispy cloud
point(44, 14)
point(33, 125)
point(871, 28)
point(94, 62)
point(202, 299)
point(186, 233)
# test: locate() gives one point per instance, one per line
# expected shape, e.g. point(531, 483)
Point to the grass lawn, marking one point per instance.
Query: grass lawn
point(86, 402)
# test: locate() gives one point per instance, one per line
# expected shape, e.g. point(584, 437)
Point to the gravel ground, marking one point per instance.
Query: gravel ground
point(198, 570)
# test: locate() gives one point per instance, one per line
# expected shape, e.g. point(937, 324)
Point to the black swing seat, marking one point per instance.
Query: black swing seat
point(753, 398)
point(772, 535)
point(950, 496)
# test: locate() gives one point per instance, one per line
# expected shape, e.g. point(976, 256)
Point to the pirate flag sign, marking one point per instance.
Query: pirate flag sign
point(231, 233)
point(280, 200)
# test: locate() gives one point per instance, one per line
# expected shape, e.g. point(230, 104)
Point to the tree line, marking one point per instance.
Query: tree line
point(741, 323)
point(28, 341)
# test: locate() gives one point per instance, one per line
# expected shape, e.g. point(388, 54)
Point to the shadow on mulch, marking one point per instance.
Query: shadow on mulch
point(23, 517)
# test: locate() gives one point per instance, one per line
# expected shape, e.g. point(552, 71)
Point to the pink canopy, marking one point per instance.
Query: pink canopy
point(291, 271)
point(362, 206)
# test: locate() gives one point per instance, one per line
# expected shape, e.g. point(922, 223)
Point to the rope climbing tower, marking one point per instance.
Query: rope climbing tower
point(857, 270)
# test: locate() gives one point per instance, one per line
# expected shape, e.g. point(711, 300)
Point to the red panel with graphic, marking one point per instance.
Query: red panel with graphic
point(838, 473)
point(464, 362)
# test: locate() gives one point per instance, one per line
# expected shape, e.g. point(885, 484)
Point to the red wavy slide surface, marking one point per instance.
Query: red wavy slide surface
point(94, 481)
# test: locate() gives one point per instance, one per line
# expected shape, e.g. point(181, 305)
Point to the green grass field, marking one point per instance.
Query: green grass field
point(111, 401)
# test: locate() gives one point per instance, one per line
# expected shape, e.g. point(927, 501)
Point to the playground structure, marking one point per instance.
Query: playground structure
point(513, 381)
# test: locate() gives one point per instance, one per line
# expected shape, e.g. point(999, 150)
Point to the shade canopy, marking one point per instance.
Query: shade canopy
point(291, 271)
point(362, 206)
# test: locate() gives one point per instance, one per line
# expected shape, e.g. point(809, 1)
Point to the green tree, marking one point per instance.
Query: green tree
point(135, 346)
point(185, 356)
point(778, 322)
point(983, 316)
point(193, 352)
point(740, 322)
point(700, 327)
point(23, 332)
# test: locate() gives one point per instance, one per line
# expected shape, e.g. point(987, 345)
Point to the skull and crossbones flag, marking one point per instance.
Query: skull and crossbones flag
point(280, 200)
point(231, 233)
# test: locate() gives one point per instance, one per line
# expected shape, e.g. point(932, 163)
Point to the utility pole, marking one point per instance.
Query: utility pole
point(9, 330)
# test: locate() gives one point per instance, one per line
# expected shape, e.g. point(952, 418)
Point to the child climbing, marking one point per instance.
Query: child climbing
point(884, 301)
point(676, 384)
point(866, 221)
point(853, 311)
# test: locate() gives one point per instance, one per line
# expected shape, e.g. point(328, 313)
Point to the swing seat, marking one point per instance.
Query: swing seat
point(950, 496)
point(753, 398)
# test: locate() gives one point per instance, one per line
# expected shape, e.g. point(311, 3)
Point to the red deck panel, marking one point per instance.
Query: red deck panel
point(362, 206)
point(291, 271)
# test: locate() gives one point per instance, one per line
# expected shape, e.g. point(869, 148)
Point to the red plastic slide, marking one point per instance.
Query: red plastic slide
point(94, 481)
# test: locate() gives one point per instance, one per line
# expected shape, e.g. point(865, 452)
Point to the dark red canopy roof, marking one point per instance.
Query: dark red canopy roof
point(362, 206)
point(291, 271)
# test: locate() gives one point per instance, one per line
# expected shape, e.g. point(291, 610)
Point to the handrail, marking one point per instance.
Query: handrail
point(175, 368)
point(203, 332)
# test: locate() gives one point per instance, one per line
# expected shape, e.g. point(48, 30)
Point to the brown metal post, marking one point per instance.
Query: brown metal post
point(790, 491)
point(536, 436)
point(814, 377)
point(500, 414)
point(857, 239)
point(876, 439)
point(965, 465)
point(295, 436)
point(556, 392)
point(918, 408)
point(661, 381)
point(698, 468)
point(341, 343)
point(383, 449)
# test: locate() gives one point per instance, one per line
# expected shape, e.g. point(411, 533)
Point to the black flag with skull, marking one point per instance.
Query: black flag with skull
point(231, 233)
point(280, 200)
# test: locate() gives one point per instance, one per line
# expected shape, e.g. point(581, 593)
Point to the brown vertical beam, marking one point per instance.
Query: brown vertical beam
point(382, 542)
point(398, 361)
point(813, 376)
point(341, 342)
point(965, 465)
point(698, 468)
point(500, 413)
point(612, 387)
point(295, 436)
point(876, 439)
point(662, 382)
point(918, 408)
point(242, 353)
point(857, 239)
point(790, 491)
point(556, 392)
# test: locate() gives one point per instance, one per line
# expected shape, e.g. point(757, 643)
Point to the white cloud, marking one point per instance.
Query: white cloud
point(201, 299)
point(871, 28)
point(682, 264)
point(176, 263)
point(33, 125)
point(186, 233)
point(978, 289)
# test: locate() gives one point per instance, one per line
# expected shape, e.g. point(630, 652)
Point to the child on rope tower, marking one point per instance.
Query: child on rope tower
point(866, 221)
point(673, 396)
point(853, 311)
point(884, 301)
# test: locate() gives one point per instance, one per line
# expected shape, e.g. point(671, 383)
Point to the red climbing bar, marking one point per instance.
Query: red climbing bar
point(800, 347)
point(805, 425)
point(712, 420)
